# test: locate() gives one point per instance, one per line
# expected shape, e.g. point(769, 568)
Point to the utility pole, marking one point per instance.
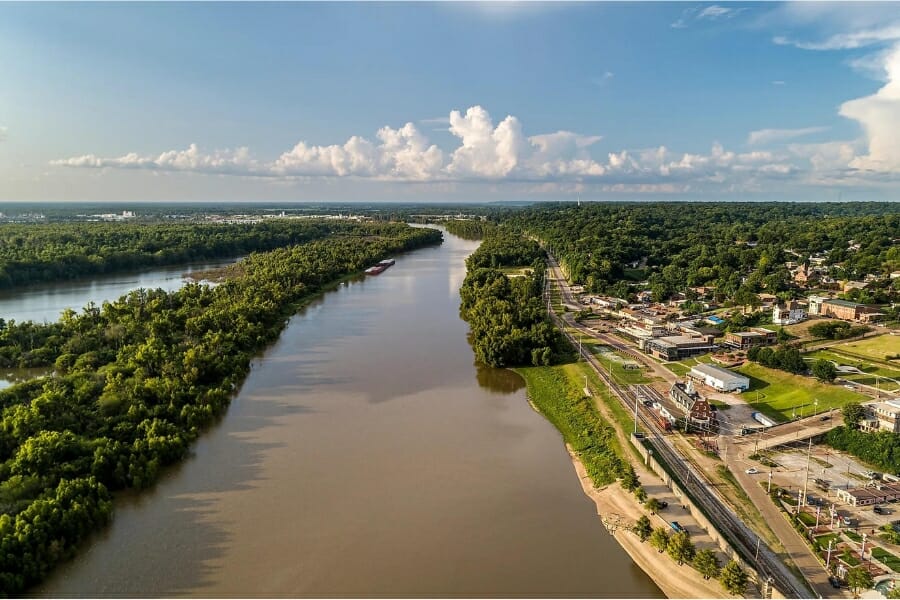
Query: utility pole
point(862, 551)
point(818, 511)
point(769, 491)
point(758, 540)
point(828, 558)
point(636, 396)
point(806, 479)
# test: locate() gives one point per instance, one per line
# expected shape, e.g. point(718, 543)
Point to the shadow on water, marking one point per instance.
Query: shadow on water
point(184, 505)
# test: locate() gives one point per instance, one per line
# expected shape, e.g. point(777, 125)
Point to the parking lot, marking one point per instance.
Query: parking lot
point(837, 470)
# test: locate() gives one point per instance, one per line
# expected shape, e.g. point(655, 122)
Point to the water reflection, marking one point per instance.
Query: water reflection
point(502, 381)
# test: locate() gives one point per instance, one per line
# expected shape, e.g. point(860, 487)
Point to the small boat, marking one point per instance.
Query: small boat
point(380, 267)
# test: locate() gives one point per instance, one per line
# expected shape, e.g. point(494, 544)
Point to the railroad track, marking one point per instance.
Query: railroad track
point(747, 543)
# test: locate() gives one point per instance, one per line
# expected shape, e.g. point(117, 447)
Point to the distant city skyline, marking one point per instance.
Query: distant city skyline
point(449, 102)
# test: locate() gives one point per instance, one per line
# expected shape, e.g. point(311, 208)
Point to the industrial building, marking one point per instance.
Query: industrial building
point(720, 379)
point(677, 347)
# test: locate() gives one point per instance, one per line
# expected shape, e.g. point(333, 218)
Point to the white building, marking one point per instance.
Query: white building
point(815, 305)
point(719, 378)
point(882, 416)
point(787, 314)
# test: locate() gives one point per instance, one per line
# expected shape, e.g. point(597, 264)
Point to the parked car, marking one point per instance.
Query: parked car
point(752, 471)
point(663, 504)
point(878, 510)
point(835, 582)
point(824, 417)
point(676, 526)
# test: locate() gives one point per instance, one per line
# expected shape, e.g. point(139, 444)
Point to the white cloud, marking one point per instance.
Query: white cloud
point(778, 82)
point(847, 40)
point(3, 132)
point(226, 162)
point(713, 12)
point(769, 136)
point(879, 116)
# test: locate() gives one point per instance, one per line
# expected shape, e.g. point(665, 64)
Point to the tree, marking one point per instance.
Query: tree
point(733, 578)
point(659, 539)
point(706, 562)
point(653, 505)
point(859, 579)
point(642, 528)
point(824, 370)
point(894, 593)
point(640, 494)
point(680, 547)
point(853, 413)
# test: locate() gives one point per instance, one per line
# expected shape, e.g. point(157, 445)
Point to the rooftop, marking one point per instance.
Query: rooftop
point(845, 303)
point(718, 372)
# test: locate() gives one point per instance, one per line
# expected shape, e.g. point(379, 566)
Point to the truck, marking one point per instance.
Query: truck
point(676, 526)
point(761, 418)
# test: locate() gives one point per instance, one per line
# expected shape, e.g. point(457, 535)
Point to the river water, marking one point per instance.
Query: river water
point(45, 301)
point(366, 455)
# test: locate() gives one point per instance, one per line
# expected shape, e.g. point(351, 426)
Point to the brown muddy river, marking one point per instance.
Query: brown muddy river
point(366, 455)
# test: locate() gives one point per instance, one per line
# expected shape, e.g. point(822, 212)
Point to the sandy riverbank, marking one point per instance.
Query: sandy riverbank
point(675, 581)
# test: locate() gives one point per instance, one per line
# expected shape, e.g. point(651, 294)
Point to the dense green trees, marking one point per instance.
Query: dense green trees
point(680, 547)
point(878, 448)
point(138, 379)
point(659, 539)
point(853, 412)
point(837, 330)
point(507, 317)
point(706, 563)
point(739, 249)
point(734, 579)
point(786, 358)
point(643, 528)
point(469, 229)
point(52, 252)
point(859, 579)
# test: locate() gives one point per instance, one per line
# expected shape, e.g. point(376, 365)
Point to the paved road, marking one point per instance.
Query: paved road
point(768, 561)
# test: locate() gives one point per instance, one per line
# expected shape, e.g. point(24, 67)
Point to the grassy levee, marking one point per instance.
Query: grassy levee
point(554, 393)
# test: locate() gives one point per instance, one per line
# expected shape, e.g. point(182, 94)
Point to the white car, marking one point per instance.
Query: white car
point(751, 471)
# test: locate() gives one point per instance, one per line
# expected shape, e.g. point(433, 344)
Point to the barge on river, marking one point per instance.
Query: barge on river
point(380, 267)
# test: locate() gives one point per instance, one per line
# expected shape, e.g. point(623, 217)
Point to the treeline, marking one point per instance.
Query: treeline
point(469, 229)
point(136, 382)
point(507, 317)
point(786, 358)
point(739, 249)
point(879, 448)
point(837, 330)
point(37, 252)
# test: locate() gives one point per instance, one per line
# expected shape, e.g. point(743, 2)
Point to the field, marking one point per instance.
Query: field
point(682, 367)
point(779, 395)
point(877, 348)
point(870, 370)
point(801, 330)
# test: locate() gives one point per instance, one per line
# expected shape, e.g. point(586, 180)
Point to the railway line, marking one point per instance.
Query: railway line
point(748, 544)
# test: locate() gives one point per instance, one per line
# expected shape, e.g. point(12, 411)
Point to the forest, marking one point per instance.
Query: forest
point(740, 249)
point(880, 448)
point(137, 380)
point(507, 316)
point(33, 253)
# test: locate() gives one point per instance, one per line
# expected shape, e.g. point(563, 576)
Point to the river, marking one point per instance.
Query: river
point(365, 455)
point(46, 301)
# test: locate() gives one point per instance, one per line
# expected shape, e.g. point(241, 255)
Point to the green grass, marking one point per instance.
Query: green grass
point(889, 560)
point(677, 368)
point(853, 536)
point(870, 370)
point(821, 541)
point(807, 519)
point(557, 393)
point(781, 392)
point(878, 348)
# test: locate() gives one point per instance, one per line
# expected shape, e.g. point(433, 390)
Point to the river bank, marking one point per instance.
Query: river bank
point(620, 509)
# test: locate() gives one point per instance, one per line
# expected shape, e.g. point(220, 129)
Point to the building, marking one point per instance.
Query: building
point(758, 336)
point(875, 493)
point(843, 309)
point(788, 314)
point(677, 347)
point(695, 406)
point(882, 416)
point(816, 305)
point(720, 379)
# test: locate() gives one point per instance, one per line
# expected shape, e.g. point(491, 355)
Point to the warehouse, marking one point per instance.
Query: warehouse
point(719, 378)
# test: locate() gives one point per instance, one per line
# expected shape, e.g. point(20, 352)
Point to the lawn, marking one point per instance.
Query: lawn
point(617, 366)
point(821, 541)
point(682, 367)
point(890, 560)
point(870, 370)
point(878, 348)
point(779, 394)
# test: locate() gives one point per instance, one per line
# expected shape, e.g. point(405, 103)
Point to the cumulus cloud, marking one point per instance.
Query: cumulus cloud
point(494, 153)
point(879, 117)
point(770, 136)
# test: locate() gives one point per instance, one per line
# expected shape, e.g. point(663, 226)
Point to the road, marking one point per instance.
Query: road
point(743, 539)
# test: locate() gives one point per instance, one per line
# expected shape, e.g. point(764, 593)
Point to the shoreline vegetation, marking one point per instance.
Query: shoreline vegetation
point(500, 311)
point(138, 380)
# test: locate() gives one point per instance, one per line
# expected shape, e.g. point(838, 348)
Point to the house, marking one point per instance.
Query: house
point(882, 416)
point(695, 406)
point(854, 285)
point(720, 379)
point(788, 313)
point(758, 336)
point(767, 300)
point(677, 347)
point(816, 304)
point(874, 493)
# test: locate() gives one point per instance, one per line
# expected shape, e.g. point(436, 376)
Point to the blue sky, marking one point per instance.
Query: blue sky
point(449, 101)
